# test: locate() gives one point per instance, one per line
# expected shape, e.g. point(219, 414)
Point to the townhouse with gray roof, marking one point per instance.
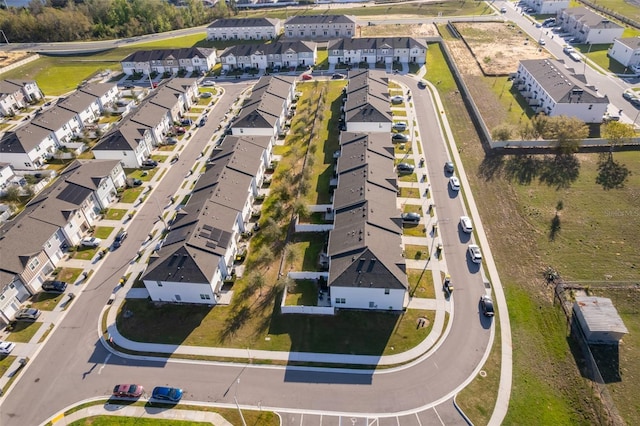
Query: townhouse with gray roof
point(106, 93)
point(324, 27)
point(588, 26)
point(384, 50)
point(264, 112)
point(367, 108)
point(551, 88)
point(366, 267)
point(626, 51)
point(129, 142)
point(17, 94)
point(545, 7)
point(28, 147)
point(189, 59)
point(280, 54)
point(244, 29)
point(198, 252)
point(33, 243)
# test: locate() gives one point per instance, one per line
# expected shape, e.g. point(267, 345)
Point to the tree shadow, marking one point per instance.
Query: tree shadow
point(554, 229)
point(491, 167)
point(235, 322)
point(522, 168)
point(560, 170)
point(611, 174)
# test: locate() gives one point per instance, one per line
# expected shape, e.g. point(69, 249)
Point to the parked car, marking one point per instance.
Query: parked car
point(399, 137)
point(128, 391)
point(175, 159)
point(186, 122)
point(338, 76)
point(449, 167)
point(203, 120)
point(133, 182)
point(400, 126)
point(166, 393)
point(307, 76)
point(208, 83)
point(206, 95)
point(487, 305)
point(410, 217)
point(405, 168)
point(397, 99)
point(422, 84)
point(466, 224)
point(54, 286)
point(90, 242)
point(117, 242)
point(454, 183)
point(171, 141)
point(629, 94)
point(541, 42)
point(30, 314)
point(475, 254)
point(503, 10)
point(150, 164)
point(179, 130)
point(6, 347)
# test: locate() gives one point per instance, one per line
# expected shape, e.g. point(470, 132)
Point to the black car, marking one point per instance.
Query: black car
point(405, 168)
point(338, 76)
point(422, 84)
point(487, 305)
point(122, 235)
point(186, 122)
point(149, 163)
point(202, 121)
point(54, 286)
point(411, 217)
point(399, 137)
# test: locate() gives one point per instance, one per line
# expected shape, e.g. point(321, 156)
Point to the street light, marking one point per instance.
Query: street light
point(235, 398)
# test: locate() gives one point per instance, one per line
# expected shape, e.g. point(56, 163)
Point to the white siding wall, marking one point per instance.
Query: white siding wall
point(368, 127)
point(166, 291)
point(367, 298)
point(624, 54)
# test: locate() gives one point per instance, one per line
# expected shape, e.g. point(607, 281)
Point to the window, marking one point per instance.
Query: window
point(159, 283)
point(372, 304)
point(386, 291)
point(178, 298)
point(34, 264)
point(205, 297)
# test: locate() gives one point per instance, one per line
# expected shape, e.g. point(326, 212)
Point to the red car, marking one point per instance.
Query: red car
point(307, 76)
point(128, 391)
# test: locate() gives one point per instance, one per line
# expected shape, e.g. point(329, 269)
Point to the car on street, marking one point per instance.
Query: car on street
point(410, 217)
point(449, 167)
point(487, 305)
point(202, 122)
point(503, 10)
point(405, 168)
point(30, 314)
point(128, 391)
point(466, 224)
point(422, 84)
point(454, 183)
point(149, 164)
point(90, 242)
point(628, 95)
point(400, 126)
point(117, 242)
point(475, 254)
point(208, 83)
point(6, 347)
point(338, 76)
point(399, 137)
point(307, 76)
point(54, 286)
point(175, 159)
point(541, 42)
point(166, 393)
point(397, 99)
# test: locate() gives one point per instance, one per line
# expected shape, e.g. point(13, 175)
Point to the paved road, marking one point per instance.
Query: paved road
point(74, 365)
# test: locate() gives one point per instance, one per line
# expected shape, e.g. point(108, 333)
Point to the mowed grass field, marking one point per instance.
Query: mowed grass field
point(596, 239)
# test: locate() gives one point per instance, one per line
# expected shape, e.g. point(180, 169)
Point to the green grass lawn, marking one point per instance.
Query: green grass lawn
point(115, 214)
point(159, 158)
point(624, 8)
point(302, 293)
point(23, 331)
point(322, 63)
point(143, 175)
point(306, 247)
point(130, 195)
point(46, 301)
point(409, 193)
point(408, 177)
point(414, 230)
point(103, 232)
point(415, 252)
point(85, 253)
point(421, 283)
point(5, 363)
point(133, 421)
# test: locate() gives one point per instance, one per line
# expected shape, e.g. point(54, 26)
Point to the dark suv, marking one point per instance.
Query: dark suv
point(54, 286)
point(122, 235)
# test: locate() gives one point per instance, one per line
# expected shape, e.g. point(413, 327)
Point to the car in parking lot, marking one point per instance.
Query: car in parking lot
point(487, 305)
point(410, 217)
point(117, 242)
point(405, 168)
point(466, 224)
point(54, 286)
point(166, 393)
point(454, 183)
point(399, 137)
point(400, 126)
point(6, 347)
point(128, 391)
point(449, 167)
point(475, 254)
point(90, 242)
point(150, 164)
point(397, 99)
point(30, 314)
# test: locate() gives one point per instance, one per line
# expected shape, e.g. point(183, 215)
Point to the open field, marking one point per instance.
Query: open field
point(397, 30)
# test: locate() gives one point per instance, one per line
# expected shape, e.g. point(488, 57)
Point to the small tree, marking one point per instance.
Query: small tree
point(617, 133)
point(12, 194)
point(568, 131)
point(501, 133)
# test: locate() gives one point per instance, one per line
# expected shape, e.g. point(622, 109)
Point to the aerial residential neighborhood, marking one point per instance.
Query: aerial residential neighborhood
point(283, 214)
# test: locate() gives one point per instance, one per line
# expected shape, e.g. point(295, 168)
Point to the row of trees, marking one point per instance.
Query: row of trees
point(56, 21)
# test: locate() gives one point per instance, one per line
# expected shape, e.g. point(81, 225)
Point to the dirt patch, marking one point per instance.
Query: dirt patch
point(498, 47)
point(8, 58)
point(404, 30)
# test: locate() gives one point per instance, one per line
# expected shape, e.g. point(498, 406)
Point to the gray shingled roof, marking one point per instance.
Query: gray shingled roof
point(320, 19)
point(23, 139)
point(124, 137)
point(97, 89)
point(562, 84)
point(590, 18)
point(243, 23)
point(239, 155)
point(76, 102)
point(53, 118)
point(263, 108)
point(632, 43)
point(276, 48)
point(164, 54)
point(367, 98)
point(375, 43)
point(89, 173)
point(11, 86)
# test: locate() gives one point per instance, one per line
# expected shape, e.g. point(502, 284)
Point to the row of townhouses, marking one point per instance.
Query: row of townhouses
point(34, 242)
point(309, 27)
point(371, 50)
point(133, 139)
point(553, 89)
point(191, 59)
point(366, 266)
point(17, 94)
point(280, 54)
point(627, 52)
point(31, 144)
point(198, 252)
